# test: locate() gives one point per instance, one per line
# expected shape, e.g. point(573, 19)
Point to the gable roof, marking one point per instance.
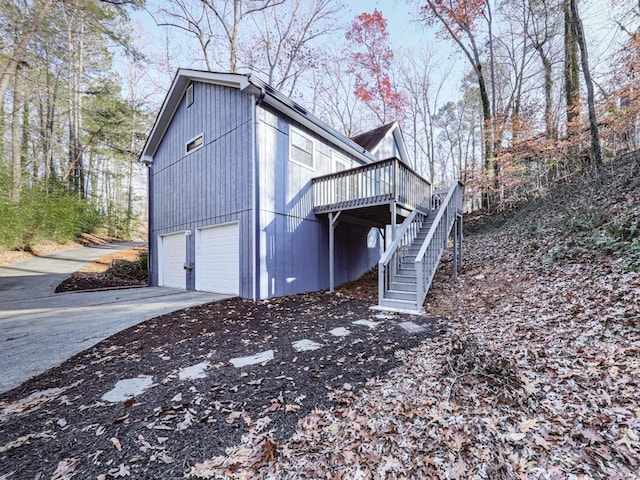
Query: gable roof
point(252, 86)
point(373, 139)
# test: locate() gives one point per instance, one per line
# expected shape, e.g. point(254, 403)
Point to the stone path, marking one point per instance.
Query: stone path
point(133, 387)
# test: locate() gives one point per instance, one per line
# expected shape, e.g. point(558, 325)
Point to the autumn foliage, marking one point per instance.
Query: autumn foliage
point(371, 59)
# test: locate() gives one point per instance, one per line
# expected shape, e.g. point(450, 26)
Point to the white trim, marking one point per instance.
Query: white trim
point(186, 145)
point(189, 93)
point(297, 131)
point(254, 200)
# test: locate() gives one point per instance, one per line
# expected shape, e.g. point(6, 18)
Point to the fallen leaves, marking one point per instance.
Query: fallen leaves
point(116, 443)
point(65, 470)
point(538, 379)
point(23, 440)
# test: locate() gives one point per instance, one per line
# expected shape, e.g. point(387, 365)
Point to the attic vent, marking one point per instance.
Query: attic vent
point(189, 95)
point(195, 144)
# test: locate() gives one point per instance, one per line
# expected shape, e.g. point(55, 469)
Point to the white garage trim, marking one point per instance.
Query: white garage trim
point(217, 259)
point(172, 256)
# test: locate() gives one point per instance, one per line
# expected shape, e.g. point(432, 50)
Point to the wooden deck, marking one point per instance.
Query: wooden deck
point(373, 194)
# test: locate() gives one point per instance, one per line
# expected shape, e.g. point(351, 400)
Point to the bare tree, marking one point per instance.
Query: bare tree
point(571, 70)
point(286, 35)
point(333, 100)
point(229, 14)
point(416, 74)
point(542, 29)
point(191, 17)
point(596, 150)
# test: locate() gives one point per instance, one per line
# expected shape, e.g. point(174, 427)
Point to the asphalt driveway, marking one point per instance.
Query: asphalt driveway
point(40, 329)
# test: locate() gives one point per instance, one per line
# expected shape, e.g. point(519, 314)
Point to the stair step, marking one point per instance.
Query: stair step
point(404, 278)
point(398, 305)
point(398, 295)
point(410, 272)
point(403, 287)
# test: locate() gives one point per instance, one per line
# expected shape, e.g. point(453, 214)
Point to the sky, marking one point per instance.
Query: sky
point(406, 32)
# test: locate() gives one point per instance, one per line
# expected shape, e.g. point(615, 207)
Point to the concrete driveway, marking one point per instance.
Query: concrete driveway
point(40, 329)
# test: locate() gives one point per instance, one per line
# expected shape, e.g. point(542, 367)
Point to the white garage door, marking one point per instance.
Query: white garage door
point(173, 255)
point(218, 259)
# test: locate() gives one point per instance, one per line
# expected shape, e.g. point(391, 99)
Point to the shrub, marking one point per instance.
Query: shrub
point(45, 213)
point(586, 219)
point(130, 270)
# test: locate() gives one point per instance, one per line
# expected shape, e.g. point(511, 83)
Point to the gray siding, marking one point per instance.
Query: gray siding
point(210, 185)
point(293, 241)
point(388, 148)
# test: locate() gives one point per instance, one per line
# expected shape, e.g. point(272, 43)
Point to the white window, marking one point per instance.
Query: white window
point(340, 164)
point(301, 150)
point(189, 96)
point(195, 143)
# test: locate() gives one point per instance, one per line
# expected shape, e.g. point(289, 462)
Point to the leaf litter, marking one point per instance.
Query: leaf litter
point(530, 371)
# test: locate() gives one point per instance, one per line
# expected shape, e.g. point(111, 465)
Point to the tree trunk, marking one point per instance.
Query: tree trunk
point(596, 151)
point(75, 174)
point(16, 139)
point(20, 48)
point(24, 150)
point(550, 129)
point(571, 71)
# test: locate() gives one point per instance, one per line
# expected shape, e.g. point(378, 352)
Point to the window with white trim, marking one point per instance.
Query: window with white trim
point(301, 148)
point(195, 143)
point(189, 96)
point(340, 164)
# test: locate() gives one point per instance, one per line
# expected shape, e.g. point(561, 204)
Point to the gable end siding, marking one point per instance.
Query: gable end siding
point(210, 185)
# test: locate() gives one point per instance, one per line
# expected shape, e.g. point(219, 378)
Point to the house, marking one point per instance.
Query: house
point(251, 195)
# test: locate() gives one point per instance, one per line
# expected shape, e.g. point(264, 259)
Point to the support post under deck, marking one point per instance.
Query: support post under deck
point(333, 221)
point(457, 244)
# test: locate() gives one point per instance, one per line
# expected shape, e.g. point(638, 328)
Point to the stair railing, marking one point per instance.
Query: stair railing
point(435, 243)
point(392, 256)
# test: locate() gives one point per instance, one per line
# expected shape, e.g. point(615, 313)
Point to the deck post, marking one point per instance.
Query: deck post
point(392, 206)
point(455, 248)
point(460, 222)
point(333, 221)
point(457, 244)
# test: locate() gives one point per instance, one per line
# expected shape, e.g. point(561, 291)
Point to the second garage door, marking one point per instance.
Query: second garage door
point(173, 255)
point(218, 259)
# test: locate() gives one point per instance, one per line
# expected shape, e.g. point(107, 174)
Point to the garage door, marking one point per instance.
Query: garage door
point(173, 255)
point(218, 259)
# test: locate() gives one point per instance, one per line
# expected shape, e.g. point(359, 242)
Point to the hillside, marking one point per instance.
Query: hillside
point(528, 367)
point(537, 376)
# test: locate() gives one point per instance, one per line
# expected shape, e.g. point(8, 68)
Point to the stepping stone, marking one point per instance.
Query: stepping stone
point(412, 328)
point(383, 316)
point(366, 323)
point(252, 360)
point(305, 345)
point(193, 372)
point(127, 388)
point(340, 332)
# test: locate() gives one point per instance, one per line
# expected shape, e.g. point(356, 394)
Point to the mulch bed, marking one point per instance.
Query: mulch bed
point(84, 281)
point(105, 274)
point(176, 424)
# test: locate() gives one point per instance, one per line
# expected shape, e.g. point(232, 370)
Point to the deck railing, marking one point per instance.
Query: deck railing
point(391, 259)
point(373, 184)
point(435, 243)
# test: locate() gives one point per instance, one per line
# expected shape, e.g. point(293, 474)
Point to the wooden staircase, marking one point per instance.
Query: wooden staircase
point(407, 267)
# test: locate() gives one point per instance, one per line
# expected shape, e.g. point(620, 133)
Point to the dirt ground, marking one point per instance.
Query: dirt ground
point(179, 423)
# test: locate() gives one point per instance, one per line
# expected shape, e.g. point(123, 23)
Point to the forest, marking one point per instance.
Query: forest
point(82, 81)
